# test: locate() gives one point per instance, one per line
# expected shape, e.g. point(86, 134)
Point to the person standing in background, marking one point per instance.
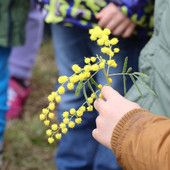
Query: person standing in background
point(21, 62)
point(13, 16)
point(132, 23)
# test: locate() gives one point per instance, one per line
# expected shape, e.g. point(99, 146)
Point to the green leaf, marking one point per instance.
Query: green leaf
point(94, 82)
point(125, 65)
point(91, 88)
point(129, 69)
point(85, 96)
point(124, 84)
point(142, 82)
point(79, 87)
point(141, 74)
point(132, 78)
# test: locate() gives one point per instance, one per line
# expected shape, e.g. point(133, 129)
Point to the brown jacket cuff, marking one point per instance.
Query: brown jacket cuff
point(129, 117)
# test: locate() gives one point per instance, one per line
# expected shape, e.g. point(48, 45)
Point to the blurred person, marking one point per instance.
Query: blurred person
point(13, 15)
point(21, 62)
point(77, 149)
point(140, 139)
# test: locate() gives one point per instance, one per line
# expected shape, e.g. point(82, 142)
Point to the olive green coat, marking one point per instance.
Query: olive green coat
point(13, 16)
point(155, 62)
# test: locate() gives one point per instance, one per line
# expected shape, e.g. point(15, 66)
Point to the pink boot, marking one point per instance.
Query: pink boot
point(17, 94)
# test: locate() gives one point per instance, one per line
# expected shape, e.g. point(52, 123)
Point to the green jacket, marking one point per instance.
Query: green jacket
point(155, 62)
point(13, 16)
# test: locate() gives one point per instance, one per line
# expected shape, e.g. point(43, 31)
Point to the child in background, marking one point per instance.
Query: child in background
point(21, 62)
point(71, 21)
point(140, 139)
point(13, 15)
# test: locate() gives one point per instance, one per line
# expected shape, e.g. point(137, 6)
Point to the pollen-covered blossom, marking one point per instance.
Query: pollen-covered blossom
point(50, 139)
point(62, 79)
point(70, 86)
point(42, 117)
point(76, 68)
point(81, 78)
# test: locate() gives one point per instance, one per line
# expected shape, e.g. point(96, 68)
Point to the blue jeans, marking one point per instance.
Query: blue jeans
point(77, 149)
point(4, 77)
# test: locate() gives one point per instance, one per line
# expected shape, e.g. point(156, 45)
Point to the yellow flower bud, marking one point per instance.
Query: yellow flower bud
point(116, 50)
point(66, 120)
point(82, 108)
point(106, 43)
point(74, 79)
point(91, 31)
point(52, 106)
point(105, 50)
point(50, 140)
point(87, 60)
point(51, 115)
point(82, 76)
point(49, 132)
point(100, 41)
point(102, 65)
point(46, 122)
point(90, 99)
point(54, 126)
point(95, 67)
point(54, 94)
point(87, 74)
point(93, 59)
point(50, 98)
point(61, 90)
point(110, 80)
point(100, 95)
point(99, 86)
point(105, 38)
point(106, 31)
point(45, 111)
point(58, 136)
point(42, 116)
point(62, 125)
point(79, 113)
point(70, 86)
point(90, 108)
point(114, 41)
point(78, 120)
point(111, 54)
point(114, 64)
point(58, 99)
point(72, 111)
point(97, 28)
point(93, 38)
point(62, 79)
point(87, 68)
point(64, 130)
point(71, 124)
point(93, 95)
point(65, 114)
point(76, 68)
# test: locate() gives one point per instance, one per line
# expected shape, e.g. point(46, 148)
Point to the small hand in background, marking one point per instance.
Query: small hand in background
point(111, 110)
point(111, 17)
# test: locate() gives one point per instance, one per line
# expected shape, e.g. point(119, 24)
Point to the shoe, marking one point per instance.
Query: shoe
point(17, 94)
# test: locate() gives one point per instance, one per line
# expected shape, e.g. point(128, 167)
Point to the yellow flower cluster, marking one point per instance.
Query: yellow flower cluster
point(82, 76)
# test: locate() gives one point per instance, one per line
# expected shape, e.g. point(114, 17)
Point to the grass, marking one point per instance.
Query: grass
point(25, 142)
